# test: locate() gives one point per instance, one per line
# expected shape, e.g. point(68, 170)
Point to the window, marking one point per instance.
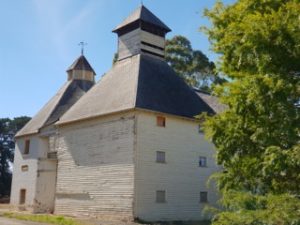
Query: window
point(203, 196)
point(24, 168)
point(160, 196)
point(202, 161)
point(160, 121)
point(22, 196)
point(27, 146)
point(200, 129)
point(160, 157)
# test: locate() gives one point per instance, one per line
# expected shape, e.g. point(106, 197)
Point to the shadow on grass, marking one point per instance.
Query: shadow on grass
point(174, 222)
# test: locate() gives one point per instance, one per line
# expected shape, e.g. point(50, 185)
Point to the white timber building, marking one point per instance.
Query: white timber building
point(128, 145)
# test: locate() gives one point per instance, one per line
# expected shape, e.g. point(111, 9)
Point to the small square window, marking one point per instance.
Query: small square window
point(26, 147)
point(203, 196)
point(160, 157)
point(160, 121)
point(202, 161)
point(160, 196)
point(24, 168)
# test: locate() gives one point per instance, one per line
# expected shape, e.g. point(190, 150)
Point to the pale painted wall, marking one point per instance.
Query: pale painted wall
point(180, 176)
point(27, 180)
point(45, 187)
point(39, 180)
point(95, 167)
point(108, 166)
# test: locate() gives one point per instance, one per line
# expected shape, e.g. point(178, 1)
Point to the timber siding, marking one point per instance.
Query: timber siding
point(27, 179)
point(95, 167)
point(181, 177)
point(131, 43)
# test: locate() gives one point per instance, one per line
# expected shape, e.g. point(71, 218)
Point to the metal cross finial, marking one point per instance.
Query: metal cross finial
point(142, 3)
point(82, 44)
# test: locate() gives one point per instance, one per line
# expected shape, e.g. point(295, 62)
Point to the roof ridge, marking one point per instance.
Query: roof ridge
point(144, 14)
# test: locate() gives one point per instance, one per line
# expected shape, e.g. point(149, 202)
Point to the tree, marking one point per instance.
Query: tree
point(8, 128)
point(192, 65)
point(115, 59)
point(257, 138)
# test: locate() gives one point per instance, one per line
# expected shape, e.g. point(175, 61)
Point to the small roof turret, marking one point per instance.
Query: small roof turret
point(142, 14)
point(81, 70)
point(81, 63)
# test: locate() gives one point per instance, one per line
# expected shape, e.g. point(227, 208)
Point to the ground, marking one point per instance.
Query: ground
point(6, 221)
point(6, 208)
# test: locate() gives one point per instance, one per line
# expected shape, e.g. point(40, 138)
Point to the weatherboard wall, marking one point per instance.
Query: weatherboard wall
point(180, 176)
point(27, 179)
point(132, 42)
point(95, 167)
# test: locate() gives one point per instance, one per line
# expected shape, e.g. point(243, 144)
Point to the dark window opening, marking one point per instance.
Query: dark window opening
point(160, 121)
point(203, 197)
point(24, 168)
point(153, 46)
point(160, 196)
point(22, 196)
point(27, 147)
point(202, 161)
point(160, 157)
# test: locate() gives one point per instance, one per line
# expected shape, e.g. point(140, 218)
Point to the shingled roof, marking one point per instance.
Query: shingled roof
point(81, 63)
point(67, 95)
point(140, 81)
point(143, 14)
point(212, 101)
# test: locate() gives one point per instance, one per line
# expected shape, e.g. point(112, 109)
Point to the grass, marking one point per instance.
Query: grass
point(51, 219)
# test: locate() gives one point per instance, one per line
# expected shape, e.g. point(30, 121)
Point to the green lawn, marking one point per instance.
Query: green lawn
point(51, 219)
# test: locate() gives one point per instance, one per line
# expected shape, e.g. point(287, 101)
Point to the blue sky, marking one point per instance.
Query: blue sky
point(39, 40)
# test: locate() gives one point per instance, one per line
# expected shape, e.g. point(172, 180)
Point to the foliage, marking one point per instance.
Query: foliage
point(258, 136)
point(248, 209)
point(51, 219)
point(8, 128)
point(115, 59)
point(256, 36)
point(192, 65)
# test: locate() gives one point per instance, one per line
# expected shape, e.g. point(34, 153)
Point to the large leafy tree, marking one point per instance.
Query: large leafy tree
point(192, 65)
point(8, 128)
point(258, 136)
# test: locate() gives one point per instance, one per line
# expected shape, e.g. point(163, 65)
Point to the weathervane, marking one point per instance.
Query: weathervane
point(82, 44)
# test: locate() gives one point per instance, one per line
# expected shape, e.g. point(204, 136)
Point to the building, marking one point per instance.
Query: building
point(128, 145)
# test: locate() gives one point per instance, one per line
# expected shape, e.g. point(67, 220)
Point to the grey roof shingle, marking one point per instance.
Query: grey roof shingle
point(212, 101)
point(81, 63)
point(140, 81)
point(67, 95)
point(161, 89)
point(143, 14)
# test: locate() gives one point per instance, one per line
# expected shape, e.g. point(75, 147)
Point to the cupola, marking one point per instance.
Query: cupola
point(81, 70)
point(141, 33)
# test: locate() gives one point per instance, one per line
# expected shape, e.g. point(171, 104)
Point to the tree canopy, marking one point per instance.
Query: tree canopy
point(257, 137)
point(8, 128)
point(192, 65)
